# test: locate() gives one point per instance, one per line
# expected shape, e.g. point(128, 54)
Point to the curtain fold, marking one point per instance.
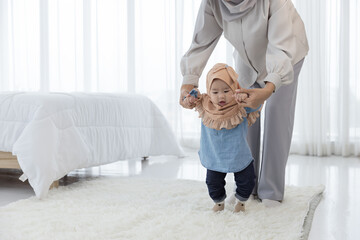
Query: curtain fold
point(4, 45)
point(136, 46)
point(327, 113)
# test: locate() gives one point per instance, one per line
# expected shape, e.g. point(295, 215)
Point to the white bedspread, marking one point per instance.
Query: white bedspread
point(55, 133)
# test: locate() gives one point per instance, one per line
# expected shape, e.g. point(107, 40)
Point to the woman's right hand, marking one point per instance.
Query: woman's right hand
point(186, 101)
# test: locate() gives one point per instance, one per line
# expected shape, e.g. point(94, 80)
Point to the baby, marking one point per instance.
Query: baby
point(223, 145)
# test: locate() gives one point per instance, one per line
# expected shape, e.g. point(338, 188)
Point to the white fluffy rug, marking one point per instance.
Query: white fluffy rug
point(138, 208)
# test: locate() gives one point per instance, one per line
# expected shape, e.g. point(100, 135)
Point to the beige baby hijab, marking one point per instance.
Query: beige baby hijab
point(213, 115)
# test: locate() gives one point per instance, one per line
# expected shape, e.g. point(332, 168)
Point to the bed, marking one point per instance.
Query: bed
point(48, 135)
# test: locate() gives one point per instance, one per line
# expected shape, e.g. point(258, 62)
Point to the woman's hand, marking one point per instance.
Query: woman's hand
point(186, 100)
point(256, 96)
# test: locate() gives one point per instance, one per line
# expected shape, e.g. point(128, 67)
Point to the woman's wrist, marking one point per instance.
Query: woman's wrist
point(269, 88)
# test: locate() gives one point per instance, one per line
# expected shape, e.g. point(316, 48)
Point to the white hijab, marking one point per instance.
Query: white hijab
point(234, 9)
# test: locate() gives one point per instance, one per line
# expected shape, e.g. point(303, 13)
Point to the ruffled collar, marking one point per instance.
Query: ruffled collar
point(217, 117)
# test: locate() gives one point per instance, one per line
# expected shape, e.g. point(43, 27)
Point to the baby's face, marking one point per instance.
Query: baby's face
point(220, 93)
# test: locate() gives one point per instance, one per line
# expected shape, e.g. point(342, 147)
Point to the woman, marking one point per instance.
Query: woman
point(270, 45)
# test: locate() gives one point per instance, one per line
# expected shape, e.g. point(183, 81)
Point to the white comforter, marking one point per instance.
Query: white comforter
point(55, 133)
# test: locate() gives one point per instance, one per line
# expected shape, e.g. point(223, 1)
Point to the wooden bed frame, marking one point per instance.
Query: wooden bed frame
point(9, 161)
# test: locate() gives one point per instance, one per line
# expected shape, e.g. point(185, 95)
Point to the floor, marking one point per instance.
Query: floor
point(337, 216)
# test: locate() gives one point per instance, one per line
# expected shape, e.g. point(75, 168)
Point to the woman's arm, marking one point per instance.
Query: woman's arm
point(287, 42)
point(284, 26)
point(206, 35)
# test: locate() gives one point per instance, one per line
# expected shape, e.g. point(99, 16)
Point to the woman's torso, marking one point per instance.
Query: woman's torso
point(249, 36)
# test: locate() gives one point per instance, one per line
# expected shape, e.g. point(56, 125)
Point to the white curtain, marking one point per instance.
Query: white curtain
point(328, 103)
point(136, 46)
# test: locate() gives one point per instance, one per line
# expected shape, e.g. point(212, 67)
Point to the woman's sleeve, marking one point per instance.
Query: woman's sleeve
point(206, 35)
point(282, 46)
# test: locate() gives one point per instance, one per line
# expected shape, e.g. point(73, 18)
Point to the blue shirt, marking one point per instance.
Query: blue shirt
point(225, 150)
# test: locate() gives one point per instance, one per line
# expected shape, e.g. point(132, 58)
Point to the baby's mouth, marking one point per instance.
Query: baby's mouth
point(222, 103)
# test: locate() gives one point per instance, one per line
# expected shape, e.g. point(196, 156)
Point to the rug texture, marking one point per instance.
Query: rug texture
point(138, 208)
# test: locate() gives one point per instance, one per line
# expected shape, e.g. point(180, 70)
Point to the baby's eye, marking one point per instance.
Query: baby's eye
point(226, 91)
point(215, 92)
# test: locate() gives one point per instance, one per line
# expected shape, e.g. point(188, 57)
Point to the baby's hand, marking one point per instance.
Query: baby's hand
point(240, 97)
point(194, 92)
point(192, 96)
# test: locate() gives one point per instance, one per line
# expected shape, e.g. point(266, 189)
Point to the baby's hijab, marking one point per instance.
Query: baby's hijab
point(213, 115)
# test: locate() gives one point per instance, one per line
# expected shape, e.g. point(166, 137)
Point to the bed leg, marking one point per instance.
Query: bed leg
point(55, 184)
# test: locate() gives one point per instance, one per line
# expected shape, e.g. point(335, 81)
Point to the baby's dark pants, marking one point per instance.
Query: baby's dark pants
point(245, 182)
